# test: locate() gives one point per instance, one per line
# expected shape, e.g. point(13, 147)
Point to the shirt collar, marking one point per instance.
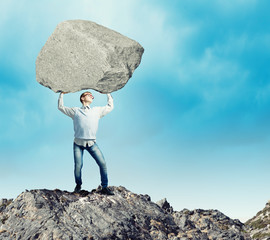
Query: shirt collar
point(85, 107)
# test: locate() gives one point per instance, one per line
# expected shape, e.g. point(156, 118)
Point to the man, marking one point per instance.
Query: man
point(85, 122)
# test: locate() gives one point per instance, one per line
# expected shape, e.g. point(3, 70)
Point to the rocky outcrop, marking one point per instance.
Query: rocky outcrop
point(82, 54)
point(205, 224)
point(208, 224)
point(259, 226)
point(4, 203)
point(54, 214)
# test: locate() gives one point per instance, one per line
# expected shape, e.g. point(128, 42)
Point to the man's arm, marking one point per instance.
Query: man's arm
point(66, 110)
point(108, 108)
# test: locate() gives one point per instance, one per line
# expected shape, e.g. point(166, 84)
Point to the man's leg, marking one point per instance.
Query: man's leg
point(78, 164)
point(98, 156)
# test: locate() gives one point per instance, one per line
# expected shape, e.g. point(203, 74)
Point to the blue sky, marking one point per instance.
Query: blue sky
point(191, 125)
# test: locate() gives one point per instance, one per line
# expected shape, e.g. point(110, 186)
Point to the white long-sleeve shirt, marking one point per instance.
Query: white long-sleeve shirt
point(85, 119)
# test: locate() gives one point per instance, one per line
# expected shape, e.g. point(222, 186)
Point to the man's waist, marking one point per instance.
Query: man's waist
point(84, 142)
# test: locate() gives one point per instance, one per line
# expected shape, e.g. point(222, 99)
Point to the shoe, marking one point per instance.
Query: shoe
point(106, 191)
point(77, 189)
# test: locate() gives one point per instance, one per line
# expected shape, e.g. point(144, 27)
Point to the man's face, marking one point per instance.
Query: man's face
point(87, 97)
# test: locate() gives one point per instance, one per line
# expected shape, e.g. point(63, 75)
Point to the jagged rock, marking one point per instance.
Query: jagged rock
point(4, 203)
point(208, 224)
point(82, 54)
point(259, 225)
point(163, 203)
point(54, 214)
point(45, 214)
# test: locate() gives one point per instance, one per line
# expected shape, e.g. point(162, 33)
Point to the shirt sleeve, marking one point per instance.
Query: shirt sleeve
point(66, 110)
point(108, 108)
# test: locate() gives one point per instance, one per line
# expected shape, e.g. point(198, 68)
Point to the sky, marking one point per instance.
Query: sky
point(191, 125)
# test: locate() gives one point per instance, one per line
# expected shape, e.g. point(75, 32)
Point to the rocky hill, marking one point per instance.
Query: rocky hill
point(54, 214)
point(259, 226)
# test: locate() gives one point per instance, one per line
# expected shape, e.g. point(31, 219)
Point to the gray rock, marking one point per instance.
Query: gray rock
point(208, 224)
point(84, 55)
point(47, 214)
point(165, 205)
point(4, 203)
point(259, 225)
point(54, 214)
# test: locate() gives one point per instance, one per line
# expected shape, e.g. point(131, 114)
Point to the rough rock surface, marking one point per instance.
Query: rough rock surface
point(54, 214)
point(208, 224)
point(204, 224)
point(82, 54)
point(259, 226)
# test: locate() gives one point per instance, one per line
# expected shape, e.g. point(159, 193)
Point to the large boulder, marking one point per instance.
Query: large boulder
point(82, 54)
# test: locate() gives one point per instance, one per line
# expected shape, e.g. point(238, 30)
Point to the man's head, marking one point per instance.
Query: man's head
point(86, 98)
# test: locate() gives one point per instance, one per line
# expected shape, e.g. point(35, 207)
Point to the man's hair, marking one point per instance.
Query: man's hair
point(82, 95)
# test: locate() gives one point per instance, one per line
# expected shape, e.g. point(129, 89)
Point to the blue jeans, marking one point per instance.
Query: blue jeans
point(78, 163)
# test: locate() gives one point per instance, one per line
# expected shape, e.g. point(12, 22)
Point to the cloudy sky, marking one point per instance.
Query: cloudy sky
point(191, 125)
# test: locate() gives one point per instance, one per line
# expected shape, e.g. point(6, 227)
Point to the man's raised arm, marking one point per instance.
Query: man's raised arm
point(66, 110)
point(108, 108)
